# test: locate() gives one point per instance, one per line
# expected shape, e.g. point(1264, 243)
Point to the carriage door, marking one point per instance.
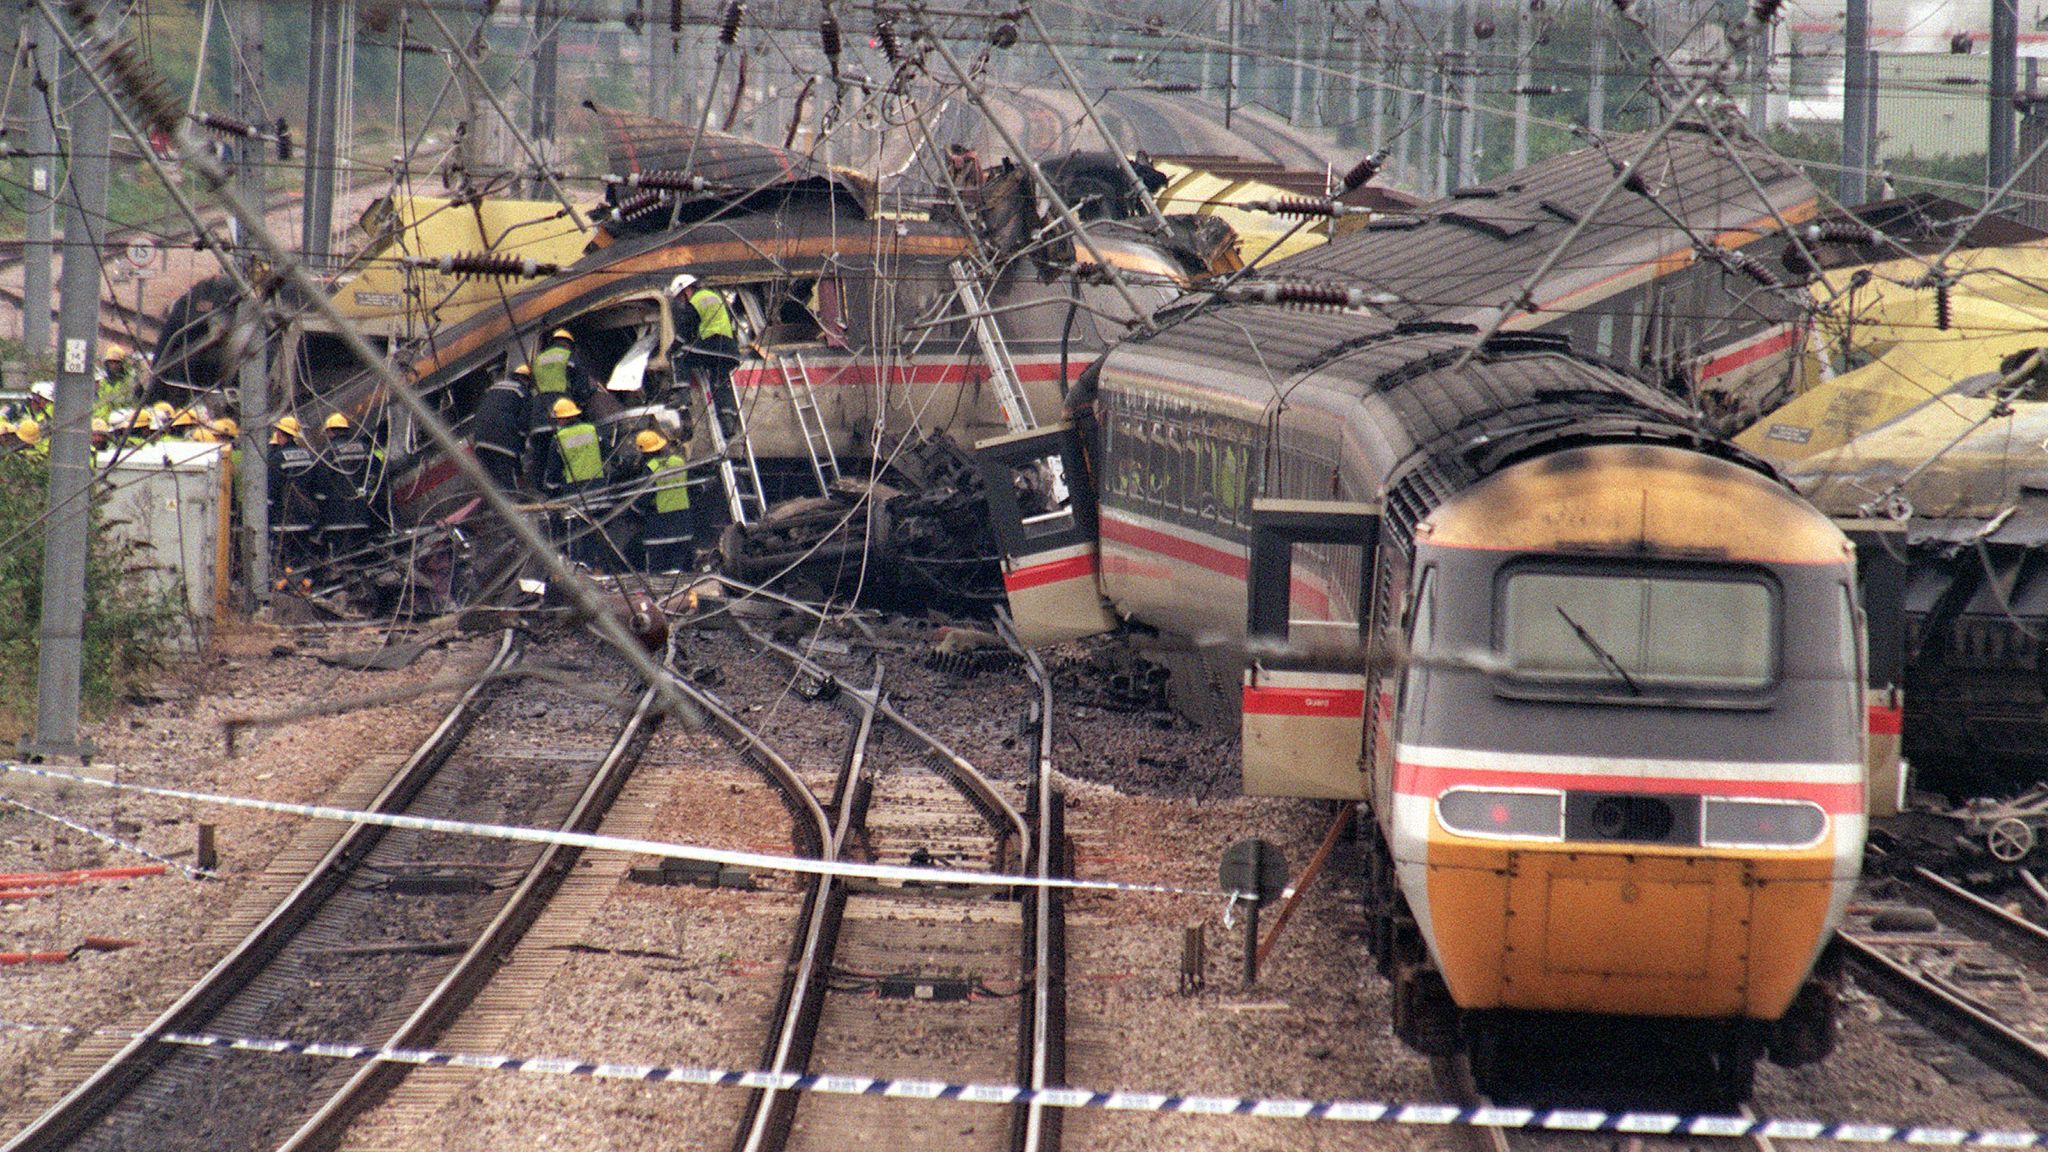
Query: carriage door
point(1881, 586)
point(1043, 509)
point(1305, 681)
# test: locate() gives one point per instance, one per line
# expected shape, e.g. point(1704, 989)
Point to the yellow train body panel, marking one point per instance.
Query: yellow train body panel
point(1649, 931)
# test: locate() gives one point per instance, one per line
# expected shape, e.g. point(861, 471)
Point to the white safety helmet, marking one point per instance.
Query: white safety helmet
point(681, 284)
point(45, 390)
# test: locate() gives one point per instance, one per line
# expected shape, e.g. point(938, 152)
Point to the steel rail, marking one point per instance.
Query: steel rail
point(474, 971)
point(1947, 1012)
point(802, 1003)
point(962, 774)
point(2015, 933)
point(1040, 1130)
point(67, 1119)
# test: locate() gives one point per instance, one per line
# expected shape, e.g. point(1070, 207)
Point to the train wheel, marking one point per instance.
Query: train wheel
point(1425, 1016)
point(1734, 1076)
point(1806, 1033)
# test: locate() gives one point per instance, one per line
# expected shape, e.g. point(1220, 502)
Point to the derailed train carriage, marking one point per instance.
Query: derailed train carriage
point(867, 318)
point(1620, 776)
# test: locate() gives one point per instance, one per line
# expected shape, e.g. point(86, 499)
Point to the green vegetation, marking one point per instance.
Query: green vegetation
point(1819, 152)
point(128, 625)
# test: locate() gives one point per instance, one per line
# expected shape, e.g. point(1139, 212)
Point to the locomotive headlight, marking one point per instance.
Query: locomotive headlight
point(1762, 824)
point(1502, 814)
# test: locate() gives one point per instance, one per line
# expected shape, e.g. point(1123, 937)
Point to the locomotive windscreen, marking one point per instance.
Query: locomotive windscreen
point(1637, 633)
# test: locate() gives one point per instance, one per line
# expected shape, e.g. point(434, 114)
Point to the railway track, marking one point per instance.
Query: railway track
point(387, 937)
point(1963, 967)
point(906, 979)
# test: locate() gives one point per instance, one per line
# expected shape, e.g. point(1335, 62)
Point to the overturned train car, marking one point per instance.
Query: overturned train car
point(1620, 776)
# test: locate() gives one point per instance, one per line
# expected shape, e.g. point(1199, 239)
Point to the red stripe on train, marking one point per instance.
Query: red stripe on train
point(1886, 721)
point(1334, 703)
point(1050, 572)
point(1742, 357)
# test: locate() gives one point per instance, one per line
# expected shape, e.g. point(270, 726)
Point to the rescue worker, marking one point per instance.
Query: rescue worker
point(357, 458)
point(30, 434)
point(557, 373)
point(499, 429)
point(161, 414)
point(706, 343)
point(339, 476)
point(184, 423)
point(101, 432)
point(575, 469)
point(294, 512)
point(122, 384)
point(668, 541)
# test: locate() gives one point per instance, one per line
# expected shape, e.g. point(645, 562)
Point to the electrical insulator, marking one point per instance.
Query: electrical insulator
point(675, 17)
point(227, 125)
point(885, 32)
point(1005, 35)
point(828, 37)
point(1765, 12)
point(1959, 44)
point(136, 76)
point(283, 132)
point(1535, 5)
point(638, 204)
point(667, 179)
point(1363, 172)
point(1842, 232)
point(1292, 206)
point(729, 26)
point(1302, 295)
point(1944, 308)
point(480, 264)
point(1482, 29)
point(1751, 267)
point(1535, 90)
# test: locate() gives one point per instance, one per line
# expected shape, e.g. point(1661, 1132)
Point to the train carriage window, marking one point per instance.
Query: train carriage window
point(1414, 689)
point(1631, 635)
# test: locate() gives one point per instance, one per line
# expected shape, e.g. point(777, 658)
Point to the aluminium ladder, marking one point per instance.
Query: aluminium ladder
point(737, 470)
point(1002, 371)
point(810, 422)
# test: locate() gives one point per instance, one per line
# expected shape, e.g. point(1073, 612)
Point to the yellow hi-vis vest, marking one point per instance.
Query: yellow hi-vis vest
point(551, 370)
point(582, 459)
point(712, 318)
point(671, 484)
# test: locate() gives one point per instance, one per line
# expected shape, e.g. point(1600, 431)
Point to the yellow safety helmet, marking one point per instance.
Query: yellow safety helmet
point(205, 435)
point(184, 418)
point(523, 370)
point(650, 441)
point(289, 425)
point(29, 431)
point(565, 408)
point(335, 422)
point(140, 419)
point(6, 428)
point(562, 334)
point(115, 352)
point(162, 408)
point(227, 427)
point(100, 427)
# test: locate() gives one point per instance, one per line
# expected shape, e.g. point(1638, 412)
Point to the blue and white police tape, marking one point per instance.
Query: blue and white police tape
point(1275, 1108)
point(759, 860)
point(108, 838)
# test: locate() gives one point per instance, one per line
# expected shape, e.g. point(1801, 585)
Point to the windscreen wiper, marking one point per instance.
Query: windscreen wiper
point(1606, 658)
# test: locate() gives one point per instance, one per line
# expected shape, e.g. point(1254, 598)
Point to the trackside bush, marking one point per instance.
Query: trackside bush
point(128, 625)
